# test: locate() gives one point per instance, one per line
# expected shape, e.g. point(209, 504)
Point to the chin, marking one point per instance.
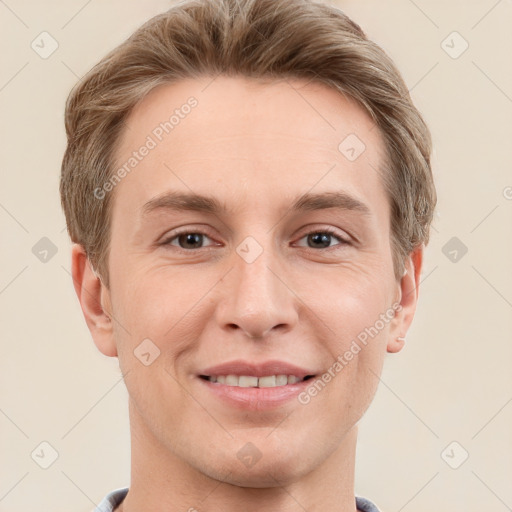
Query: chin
point(263, 475)
point(251, 467)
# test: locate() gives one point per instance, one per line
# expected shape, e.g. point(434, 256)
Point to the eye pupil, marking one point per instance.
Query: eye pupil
point(320, 238)
point(195, 239)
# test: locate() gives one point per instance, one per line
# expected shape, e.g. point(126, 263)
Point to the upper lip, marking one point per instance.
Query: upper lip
point(273, 367)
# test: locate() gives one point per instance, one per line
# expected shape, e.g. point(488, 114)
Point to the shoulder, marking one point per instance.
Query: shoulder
point(115, 497)
point(365, 505)
point(111, 500)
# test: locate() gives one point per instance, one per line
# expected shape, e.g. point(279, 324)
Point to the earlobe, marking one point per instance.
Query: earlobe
point(94, 300)
point(409, 290)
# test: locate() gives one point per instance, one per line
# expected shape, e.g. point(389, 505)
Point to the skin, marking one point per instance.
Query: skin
point(256, 147)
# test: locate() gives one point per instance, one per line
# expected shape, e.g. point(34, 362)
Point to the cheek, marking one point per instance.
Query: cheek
point(165, 307)
point(156, 331)
point(355, 302)
point(359, 312)
point(151, 302)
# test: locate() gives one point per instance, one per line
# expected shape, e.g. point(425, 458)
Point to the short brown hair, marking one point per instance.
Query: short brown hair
point(270, 39)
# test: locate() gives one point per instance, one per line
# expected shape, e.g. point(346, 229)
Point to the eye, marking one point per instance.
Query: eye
point(187, 240)
point(322, 239)
point(190, 240)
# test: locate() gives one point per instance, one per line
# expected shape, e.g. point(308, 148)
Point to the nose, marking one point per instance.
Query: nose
point(257, 299)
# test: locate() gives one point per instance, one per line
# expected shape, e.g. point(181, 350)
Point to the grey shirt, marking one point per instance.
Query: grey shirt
point(114, 499)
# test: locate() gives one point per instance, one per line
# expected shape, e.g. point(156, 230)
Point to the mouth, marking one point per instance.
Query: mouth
point(253, 381)
point(257, 386)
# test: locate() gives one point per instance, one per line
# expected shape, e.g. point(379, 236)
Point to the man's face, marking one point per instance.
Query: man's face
point(260, 280)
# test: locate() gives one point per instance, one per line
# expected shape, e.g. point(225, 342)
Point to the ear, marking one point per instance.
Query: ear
point(407, 299)
point(94, 299)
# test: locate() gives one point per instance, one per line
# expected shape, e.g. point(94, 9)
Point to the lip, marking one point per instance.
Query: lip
point(273, 367)
point(255, 399)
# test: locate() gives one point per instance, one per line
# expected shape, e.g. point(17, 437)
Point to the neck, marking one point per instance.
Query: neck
point(162, 482)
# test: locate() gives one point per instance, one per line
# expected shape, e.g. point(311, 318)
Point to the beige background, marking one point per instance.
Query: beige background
point(452, 382)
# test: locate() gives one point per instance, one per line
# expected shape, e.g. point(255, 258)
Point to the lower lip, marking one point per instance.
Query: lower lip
point(256, 399)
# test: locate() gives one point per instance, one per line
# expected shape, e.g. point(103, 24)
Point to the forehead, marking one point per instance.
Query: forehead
point(243, 139)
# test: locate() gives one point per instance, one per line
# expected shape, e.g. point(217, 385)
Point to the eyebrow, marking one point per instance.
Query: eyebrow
point(208, 204)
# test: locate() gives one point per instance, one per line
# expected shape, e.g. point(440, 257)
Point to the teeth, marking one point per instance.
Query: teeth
point(268, 382)
point(250, 381)
point(231, 380)
point(247, 382)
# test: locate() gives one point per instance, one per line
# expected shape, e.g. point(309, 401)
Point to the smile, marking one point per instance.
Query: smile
point(256, 385)
point(251, 381)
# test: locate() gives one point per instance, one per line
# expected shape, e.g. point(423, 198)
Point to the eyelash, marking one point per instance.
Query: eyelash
point(326, 231)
